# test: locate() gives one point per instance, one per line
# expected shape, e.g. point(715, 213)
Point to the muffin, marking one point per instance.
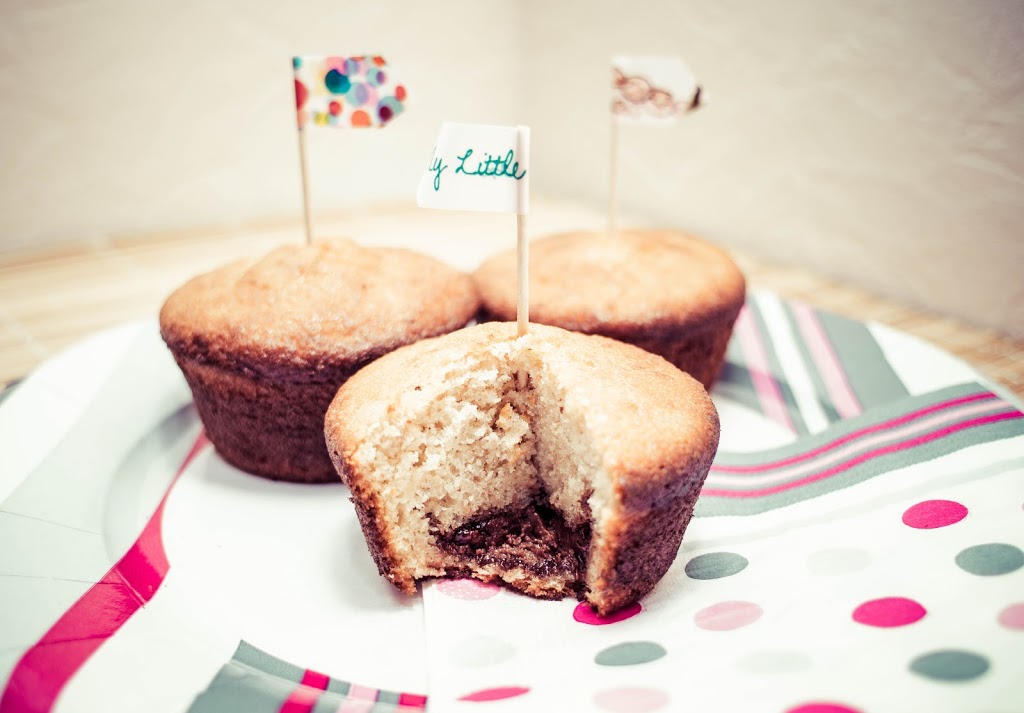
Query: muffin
point(556, 463)
point(264, 344)
point(664, 291)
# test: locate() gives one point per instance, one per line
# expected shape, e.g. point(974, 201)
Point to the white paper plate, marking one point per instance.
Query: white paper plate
point(92, 441)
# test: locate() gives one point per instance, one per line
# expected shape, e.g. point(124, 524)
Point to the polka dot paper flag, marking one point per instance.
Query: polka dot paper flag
point(346, 92)
point(355, 92)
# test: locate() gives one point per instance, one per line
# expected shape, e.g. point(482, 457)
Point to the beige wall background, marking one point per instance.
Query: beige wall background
point(877, 142)
point(132, 116)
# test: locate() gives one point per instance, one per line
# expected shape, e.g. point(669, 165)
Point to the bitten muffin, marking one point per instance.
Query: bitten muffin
point(556, 463)
point(664, 291)
point(265, 344)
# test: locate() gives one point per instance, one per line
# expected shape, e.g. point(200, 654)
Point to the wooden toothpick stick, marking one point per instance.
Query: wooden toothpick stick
point(305, 187)
point(613, 180)
point(523, 260)
point(523, 297)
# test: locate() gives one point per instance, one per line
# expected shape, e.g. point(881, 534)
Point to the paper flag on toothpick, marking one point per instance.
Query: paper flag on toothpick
point(478, 167)
point(652, 91)
point(346, 92)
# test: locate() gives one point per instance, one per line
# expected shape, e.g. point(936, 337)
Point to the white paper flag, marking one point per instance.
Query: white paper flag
point(653, 91)
point(478, 167)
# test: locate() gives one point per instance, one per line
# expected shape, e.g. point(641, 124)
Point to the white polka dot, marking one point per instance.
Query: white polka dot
point(467, 589)
point(476, 651)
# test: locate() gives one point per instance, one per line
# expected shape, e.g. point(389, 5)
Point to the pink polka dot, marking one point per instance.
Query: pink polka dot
point(1012, 617)
point(726, 616)
point(584, 614)
point(888, 612)
point(822, 708)
point(630, 699)
point(470, 590)
point(930, 514)
point(494, 694)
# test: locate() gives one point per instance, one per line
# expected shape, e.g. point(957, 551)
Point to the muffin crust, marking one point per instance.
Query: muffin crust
point(265, 344)
point(664, 291)
point(579, 480)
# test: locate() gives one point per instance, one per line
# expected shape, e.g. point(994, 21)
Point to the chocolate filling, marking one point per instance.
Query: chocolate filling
point(535, 539)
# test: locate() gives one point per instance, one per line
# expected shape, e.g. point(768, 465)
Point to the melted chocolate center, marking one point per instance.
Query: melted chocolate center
point(535, 539)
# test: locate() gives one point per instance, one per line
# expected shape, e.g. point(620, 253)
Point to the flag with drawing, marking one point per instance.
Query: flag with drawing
point(652, 90)
point(354, 92)
point(646, 91)
point(478, 167)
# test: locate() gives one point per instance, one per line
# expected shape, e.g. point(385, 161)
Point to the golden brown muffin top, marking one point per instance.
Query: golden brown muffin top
point(304, 309)
point(640, 279)
point(652, 423)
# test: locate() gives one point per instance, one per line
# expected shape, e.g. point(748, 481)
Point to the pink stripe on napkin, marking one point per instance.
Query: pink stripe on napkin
point(768, 393)
point(829, 366)
point(892, 448)
point(874, 428)
point(888, 435)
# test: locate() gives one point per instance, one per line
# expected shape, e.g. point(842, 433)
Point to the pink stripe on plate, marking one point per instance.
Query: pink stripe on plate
point(829, 366)
point(315, 680)
point(308, 692)
point(43, 671)
point(363, 693)
point(886, 436)
point(412, 701)
point(767, 388)
point(758, 467)
point(885, 450)
point(301, 700)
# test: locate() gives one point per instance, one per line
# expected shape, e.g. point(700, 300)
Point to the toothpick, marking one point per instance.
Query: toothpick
point(523, 298)
point(613, 180)
point(523, 260)
point(523, 273)
point(305, 187)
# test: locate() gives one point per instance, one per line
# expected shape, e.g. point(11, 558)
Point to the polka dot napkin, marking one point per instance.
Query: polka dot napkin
point(874, 562)
point(896, 598)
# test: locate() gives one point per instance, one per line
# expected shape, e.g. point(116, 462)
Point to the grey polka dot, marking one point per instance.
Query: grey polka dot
point(838, 560)
point(991, 559)
point(950, 665)
point(715, 565)
point(630, 653)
